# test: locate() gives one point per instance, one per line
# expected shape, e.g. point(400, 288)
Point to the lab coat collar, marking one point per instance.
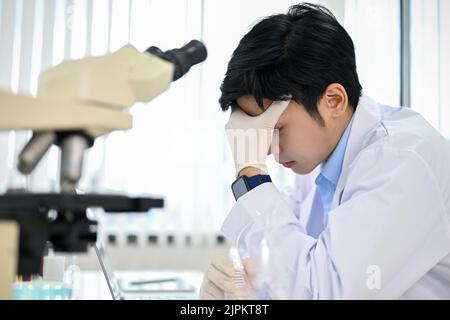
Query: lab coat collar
point(331, 169)
point(367, 116)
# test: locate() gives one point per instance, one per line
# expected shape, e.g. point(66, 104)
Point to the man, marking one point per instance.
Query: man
point(375, 223)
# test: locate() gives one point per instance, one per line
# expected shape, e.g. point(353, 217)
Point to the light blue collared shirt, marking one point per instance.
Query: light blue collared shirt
point(330, 172)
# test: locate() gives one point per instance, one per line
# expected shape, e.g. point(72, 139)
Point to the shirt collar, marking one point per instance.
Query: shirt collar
point(332, 167)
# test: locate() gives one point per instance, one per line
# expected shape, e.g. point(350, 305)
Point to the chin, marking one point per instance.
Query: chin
point(302, 169)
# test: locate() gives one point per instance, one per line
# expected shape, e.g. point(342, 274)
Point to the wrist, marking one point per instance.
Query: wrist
point(244, 183)
point(250, 172)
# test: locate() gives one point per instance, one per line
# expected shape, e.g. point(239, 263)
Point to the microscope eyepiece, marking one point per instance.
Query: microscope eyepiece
point(183, 58)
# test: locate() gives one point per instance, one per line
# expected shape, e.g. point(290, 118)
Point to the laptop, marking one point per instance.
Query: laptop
point(151, 289)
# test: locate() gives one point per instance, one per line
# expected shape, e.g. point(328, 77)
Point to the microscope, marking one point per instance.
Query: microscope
point(78, 101)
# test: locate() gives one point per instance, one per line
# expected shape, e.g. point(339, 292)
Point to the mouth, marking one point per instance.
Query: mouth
point(288, 164)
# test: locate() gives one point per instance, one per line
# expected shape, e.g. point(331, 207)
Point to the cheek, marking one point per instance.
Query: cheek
point(299, 146)
point(301, 140)
point(290, 145)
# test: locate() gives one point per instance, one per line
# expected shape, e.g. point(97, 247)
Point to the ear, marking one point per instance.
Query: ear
point(336, 100)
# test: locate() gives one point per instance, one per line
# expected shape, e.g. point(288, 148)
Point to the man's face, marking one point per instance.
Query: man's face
point(303, 142)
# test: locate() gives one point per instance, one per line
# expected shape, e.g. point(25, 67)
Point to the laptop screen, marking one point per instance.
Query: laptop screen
point(173, 288)
point(107, 270)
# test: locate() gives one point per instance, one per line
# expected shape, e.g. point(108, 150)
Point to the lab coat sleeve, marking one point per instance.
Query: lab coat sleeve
point(390, 204)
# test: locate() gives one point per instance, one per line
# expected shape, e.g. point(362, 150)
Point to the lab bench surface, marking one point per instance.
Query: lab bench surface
point(92, 285)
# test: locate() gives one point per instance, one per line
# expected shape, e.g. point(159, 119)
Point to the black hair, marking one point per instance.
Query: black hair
point(294, 55)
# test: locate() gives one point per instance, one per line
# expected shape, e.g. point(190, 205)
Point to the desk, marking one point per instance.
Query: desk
point(92, 285)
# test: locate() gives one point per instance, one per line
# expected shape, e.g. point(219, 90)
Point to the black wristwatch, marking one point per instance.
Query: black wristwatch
point(244, 184)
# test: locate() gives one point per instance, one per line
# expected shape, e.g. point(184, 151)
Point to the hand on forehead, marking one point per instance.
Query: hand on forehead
point(249, 105)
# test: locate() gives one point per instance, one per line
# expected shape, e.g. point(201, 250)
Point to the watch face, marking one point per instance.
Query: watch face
point(239, 187)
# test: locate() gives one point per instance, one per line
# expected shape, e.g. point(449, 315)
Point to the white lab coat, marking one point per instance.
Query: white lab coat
point(388, 231)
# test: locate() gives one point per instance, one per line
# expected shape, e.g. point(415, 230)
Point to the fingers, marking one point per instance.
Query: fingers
point(220, 272)
point(250, 267)
point(224, 264)
point(274, 112)
point(221, 280)
point(267, 119)
point(218, 279)
point(250, 270)
point(209, 291)
point(238, 118)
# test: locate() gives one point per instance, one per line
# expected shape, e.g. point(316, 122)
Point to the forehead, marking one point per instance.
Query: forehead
point(249, 105)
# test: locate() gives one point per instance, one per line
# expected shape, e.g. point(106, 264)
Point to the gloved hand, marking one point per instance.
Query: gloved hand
point(218, 280)
point(251, 137)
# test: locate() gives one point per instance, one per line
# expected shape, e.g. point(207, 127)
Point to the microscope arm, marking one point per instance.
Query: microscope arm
point(19, 112)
